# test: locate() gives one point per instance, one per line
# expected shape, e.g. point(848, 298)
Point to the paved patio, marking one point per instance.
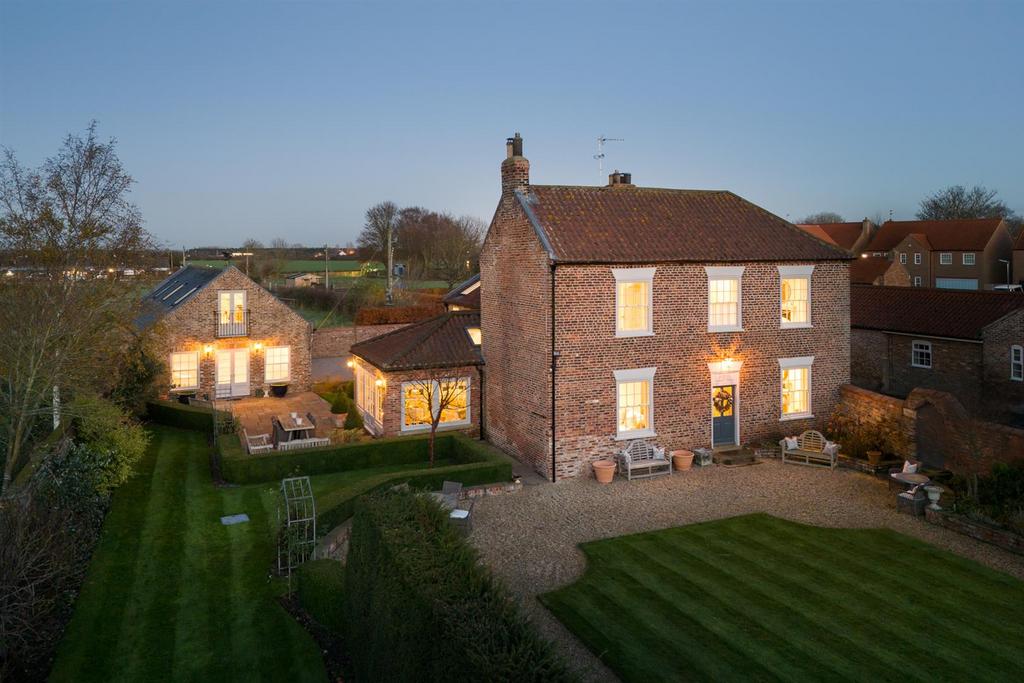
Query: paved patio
point(254, 413)
point(529, 538)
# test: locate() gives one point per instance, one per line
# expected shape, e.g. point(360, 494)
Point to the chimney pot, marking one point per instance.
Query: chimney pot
point(620, 179)
point(515, 169)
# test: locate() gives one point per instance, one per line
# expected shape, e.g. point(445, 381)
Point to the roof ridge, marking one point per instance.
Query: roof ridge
point(634, 188)
point(793, 226)
point(429, 329)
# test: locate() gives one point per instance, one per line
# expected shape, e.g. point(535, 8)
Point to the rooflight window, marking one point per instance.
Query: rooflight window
point(474, 335)
point(182, 297)
point(168, 295)
point(472, 288)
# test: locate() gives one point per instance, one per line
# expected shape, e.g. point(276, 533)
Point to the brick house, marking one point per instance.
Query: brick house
point(970, 344)
point(303, 280)
point(852, 237)
point(404, 376)
point(953, 254)
point(878, 270)
point(687, 318)
point(224, 336)
point(465, 296)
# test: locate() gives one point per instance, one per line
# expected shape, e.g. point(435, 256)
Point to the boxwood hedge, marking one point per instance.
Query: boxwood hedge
point(320, 589)
point(175, 414)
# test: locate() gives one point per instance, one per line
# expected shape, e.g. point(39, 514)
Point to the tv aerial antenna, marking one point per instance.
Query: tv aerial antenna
point(600, 151)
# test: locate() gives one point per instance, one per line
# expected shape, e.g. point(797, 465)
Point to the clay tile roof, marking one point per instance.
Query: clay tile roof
point(440, 342)
point(844, 235)
point(1020, 241)
point(459, 296)
point(933, 312)
point(953, 235)
point(867, 270)
point(647, 225)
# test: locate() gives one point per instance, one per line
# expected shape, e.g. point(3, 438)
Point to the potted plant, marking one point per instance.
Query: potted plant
point(278, 389)
point(604, 470)
point(183, 396)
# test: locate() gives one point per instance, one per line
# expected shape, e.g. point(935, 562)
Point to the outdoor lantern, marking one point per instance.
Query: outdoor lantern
point(257, 346)
point(379, 382)
point(727, 364)
point(208, 349)
point(350, 363)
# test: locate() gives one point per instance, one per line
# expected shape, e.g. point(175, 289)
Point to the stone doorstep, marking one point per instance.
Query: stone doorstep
point(1007, 540)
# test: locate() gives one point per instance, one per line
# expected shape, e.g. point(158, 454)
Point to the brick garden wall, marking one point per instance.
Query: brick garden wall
point(879, 411)
point(1002, 396)
point(331, 342)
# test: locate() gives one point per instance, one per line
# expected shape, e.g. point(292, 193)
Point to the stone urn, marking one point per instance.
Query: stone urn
point(934, 493)
point(682, 460)
point(604, 470)
point(874, 457)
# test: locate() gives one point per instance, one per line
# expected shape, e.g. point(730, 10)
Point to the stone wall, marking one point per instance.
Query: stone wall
point(880, 412)
point(331, 342)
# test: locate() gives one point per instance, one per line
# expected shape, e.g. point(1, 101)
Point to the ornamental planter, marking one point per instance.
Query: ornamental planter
point(682, 460)
point(934, 493)
point(278, 390)
point(874, 457)
point(604, 470)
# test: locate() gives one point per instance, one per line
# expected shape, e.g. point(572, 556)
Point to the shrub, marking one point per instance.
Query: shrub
point(421, 606)
point(110, 438)
point(320, 588)
point(353, 418)
point(138, 378)
point(174, 414)
point(1000, 495)
point(390, 315)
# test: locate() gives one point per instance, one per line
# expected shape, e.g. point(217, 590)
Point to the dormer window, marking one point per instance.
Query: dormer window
point(634, 296)
point(474, 335)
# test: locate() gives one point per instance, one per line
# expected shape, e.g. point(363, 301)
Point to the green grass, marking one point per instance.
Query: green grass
point(760, 598)
point(321, 318)
point(290, 266)
point(172, 594)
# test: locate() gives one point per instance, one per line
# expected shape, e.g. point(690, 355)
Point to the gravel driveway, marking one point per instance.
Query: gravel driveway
point(529, 538)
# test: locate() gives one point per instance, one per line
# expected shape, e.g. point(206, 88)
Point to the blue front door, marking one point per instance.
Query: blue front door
point(723, 415)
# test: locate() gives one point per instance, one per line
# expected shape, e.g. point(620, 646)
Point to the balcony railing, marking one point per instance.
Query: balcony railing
point(234, 328)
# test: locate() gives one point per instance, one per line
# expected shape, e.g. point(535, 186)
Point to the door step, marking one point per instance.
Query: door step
point(735, 457)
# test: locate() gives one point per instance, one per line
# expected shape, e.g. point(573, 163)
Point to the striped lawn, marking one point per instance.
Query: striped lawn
point(760, 598)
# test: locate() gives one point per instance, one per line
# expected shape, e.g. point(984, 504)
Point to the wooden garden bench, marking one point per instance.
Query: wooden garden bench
point(259, 443)
point(812, 449)
point(645, 459)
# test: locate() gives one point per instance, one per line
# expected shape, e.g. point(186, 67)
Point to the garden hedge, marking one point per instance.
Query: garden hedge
point(175, 414)
point(320, 589)
point(422, 607)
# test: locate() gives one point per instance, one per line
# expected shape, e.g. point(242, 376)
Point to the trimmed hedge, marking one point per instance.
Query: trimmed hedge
point(320, 587)
point(423, 608)
point(391, 315)
point(174, 414)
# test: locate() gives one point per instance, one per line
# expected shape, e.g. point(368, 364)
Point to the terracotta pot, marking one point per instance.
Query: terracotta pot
point(874, 457)
point(682, 460)
point(604, 470)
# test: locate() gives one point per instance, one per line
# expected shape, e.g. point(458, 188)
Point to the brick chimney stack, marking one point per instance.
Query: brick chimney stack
point(515, 169)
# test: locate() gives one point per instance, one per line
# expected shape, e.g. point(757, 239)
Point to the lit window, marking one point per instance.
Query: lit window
point(634, 393)
point(796, 387)
point(423, 399)
point(232, 307)
point(185, 370)
point(474, 335)
point(1017, 363)
point(945, 259)
point(969, 259)
point(921, 354)
point(903, 258)
point(917, 258)
point(724, 308)
point(795, 295)
point(633, 301)
point(278, 364)
point(370, 396)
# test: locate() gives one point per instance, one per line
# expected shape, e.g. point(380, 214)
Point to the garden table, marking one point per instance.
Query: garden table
point(293, 428)
point(910, 479)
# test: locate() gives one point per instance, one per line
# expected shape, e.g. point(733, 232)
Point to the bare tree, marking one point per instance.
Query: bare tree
point(64, 328)
point(454, 252)
point(444, 394)
point(823, 217)
point(380, 218)
point(956, 201)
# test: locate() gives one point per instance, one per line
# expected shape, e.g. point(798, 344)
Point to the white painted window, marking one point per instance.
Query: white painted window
point(370, 392)
point(634, 403)
point(634, 301)
point(474, 335)
point(725, 293)
point(969, 258)
point(917, 280)
point(921, 354)
point(278, 364)
point(795, 380)
point(423, 399)
point(945, 259)
point(1017, 363)
point(185, 370)
point(903, 258)
point(795, 296)
point(917, 258)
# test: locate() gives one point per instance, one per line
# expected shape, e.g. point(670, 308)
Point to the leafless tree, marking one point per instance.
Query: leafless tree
point(443, 393)
point(956, 201)
point(380, 218)
point(823, 217)
point(454, 251)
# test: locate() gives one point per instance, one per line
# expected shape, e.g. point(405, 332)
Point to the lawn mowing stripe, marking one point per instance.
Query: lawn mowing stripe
point(775, 613)
point(921, 640)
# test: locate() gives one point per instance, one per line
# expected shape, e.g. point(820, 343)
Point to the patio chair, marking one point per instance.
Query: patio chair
point(912, 502)
point(280, 435)
point(645, 459)
point(312, 419)
point(449, 495)
point(258, 443)
point(462, 518)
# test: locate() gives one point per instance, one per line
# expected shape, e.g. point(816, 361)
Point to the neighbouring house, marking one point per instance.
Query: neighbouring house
point(970, 344)
point(224, 336)
point(850, 236)
point(878, 270)
point(303, 280)
point(953, 254)
point(1018, 259)
point(403, 377)
point(465, 296)
point(687, 318)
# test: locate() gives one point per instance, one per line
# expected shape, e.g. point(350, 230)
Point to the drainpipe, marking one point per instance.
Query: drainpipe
point(554, 365)
point(483, 410)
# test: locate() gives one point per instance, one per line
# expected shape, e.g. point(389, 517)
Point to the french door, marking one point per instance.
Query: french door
point(232, 373)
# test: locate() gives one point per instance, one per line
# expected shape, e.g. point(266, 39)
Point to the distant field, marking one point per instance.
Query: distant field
point(295, 266)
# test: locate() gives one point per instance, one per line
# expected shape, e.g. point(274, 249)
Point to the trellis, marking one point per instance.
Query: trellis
point(297, 524)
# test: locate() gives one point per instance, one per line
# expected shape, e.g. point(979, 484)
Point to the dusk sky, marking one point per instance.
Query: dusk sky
point(291, 118)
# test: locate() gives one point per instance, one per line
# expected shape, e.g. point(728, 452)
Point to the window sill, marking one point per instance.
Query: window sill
point(625, 335)
point(725, 328)
point(795, 326)
point(441, 427)
point(921, 367)
point(638, 434)
point(796, 416)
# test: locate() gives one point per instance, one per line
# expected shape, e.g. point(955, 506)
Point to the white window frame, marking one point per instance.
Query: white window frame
point(231, 311)
point(194, 354)
point(917, 280)
point(946, 258)
point(919, 345)
point(903, 258)
point(435, 398)
point(798, 363)
point(917, 258)
point(368, 398)
point(793, 273)
point(266, 364)
point(969, 258)
point(1017, 363)
point(718, 273)
point(629, 275)
point(635, 375)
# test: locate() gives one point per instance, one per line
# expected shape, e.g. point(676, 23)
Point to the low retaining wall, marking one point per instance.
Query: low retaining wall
point(331, 342)
point(1007, 540)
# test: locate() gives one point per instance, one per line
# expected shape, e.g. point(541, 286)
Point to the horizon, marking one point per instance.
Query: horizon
point(289, 120)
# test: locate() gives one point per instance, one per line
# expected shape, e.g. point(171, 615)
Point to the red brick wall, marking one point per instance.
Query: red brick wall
point(331, 342)
point(1002, 395)
point(868, 359)
point(193, 326)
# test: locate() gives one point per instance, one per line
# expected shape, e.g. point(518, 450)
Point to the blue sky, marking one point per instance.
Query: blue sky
point(290, 118)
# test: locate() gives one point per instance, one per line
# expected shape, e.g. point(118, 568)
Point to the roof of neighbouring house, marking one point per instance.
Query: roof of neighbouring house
point(177, 289)
point(440, 342)
point(844, 235)
point(953, 313)
point(966, 234)
point(867, 270)
point(1020, 241)
point(292, 276)
point(620, 224)
point(465, 294)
